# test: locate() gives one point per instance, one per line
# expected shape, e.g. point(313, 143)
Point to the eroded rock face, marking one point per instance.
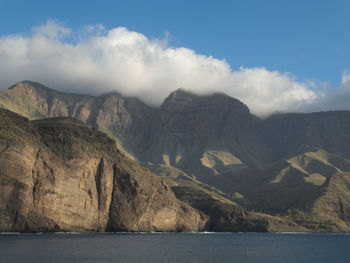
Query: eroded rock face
point(178, 133)
point(285, 162)
point(225, 215)
point(155, 210)
point(60, 175)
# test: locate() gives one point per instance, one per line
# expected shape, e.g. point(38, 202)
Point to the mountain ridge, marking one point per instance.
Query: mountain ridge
point(215, 140)
point(58, 174)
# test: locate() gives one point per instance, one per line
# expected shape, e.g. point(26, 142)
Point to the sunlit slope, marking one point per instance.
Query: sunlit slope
point(313, 183)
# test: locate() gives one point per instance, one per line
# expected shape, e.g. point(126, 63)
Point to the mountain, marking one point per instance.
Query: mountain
point(311, 188)
point(201, 135)
point(290, 134)
point(292, 165)
point(59, 174)
point(190, 132)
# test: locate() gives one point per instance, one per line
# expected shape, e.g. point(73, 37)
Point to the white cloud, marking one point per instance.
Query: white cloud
point(51, 30)
point(128, 62)
point(336, 98)
point(345, 81)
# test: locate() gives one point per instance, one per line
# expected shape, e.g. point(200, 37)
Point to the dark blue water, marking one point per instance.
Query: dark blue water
point(157, 248)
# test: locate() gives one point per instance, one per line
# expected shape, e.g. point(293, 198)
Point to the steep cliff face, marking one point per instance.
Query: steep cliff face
point(34, 101)
point(157, 209)
point(203, 135)
point(60, 175)
point(278, 165)
point(128, 120)
point(226, 215)
point(292, 134)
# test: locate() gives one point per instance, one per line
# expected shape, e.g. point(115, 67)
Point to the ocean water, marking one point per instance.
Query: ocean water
point(158, 248)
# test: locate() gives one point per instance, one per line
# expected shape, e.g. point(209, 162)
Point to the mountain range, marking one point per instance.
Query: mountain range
point(228, 169)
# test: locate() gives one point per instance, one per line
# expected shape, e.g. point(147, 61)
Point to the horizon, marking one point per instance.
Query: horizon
point(252, 57)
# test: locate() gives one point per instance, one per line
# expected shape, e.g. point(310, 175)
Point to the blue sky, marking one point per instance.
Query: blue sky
point(306, 39)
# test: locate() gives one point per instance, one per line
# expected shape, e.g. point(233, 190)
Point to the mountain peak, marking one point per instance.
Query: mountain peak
point(181, 99)
point(29, 84)
point(183, 94)
point(180, 95)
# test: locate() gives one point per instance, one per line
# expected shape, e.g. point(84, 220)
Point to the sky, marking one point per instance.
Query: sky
point(275, 56)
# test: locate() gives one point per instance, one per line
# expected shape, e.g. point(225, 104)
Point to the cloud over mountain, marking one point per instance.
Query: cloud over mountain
point(97, 61)
point(335, 99)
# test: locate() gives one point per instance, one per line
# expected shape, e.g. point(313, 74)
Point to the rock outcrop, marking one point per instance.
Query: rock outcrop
point(61, 175)
point(226, 215)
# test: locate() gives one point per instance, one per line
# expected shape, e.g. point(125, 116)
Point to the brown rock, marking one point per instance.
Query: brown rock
point(60, 175)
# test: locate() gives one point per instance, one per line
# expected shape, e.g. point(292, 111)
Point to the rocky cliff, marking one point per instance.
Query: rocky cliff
point(58, 174)
point(283, 165)
point(61, 175)
point(201, 135)
point(198, 134)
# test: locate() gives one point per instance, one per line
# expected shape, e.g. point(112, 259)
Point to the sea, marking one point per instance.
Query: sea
point(179, 247)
